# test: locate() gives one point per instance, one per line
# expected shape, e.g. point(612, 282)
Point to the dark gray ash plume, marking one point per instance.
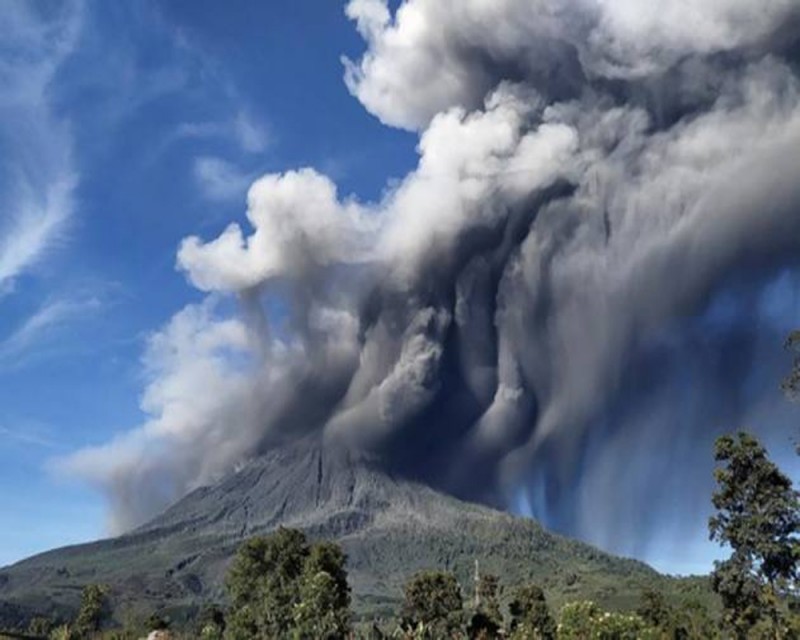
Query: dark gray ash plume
point(585, 279)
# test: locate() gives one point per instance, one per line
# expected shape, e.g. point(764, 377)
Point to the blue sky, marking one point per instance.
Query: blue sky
point(130, 126)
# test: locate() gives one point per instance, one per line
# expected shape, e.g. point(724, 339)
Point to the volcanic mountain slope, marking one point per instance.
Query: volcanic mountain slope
point(388, 527)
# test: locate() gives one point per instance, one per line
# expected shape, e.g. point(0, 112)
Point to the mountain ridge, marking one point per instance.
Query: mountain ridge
point(389, 527)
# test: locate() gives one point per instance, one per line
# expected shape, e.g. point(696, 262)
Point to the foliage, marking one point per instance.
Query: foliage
point(758, 516)
point(320, 613)
point(63, 632)
point(211, 623)
point(654, 608)
point(692, 620)
point(586, 621)
point(621, 626)
point(94, 607)
point(482, 627)
point(281, 586)
point(40, 626)
point(577, 620)
point(530, 616)
point(791, 383)
point(328, 558)
point(433, 600)
point(489, 598)
point(263, 584)
point(157, 622)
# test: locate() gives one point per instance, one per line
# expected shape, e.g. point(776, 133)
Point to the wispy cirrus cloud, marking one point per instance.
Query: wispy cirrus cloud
point(221, 180)
point(38, 176)
point(36, 335)
point(28, 435)
point(247, 132)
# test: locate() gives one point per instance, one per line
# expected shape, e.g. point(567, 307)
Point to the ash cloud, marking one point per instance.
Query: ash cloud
point(538, 316)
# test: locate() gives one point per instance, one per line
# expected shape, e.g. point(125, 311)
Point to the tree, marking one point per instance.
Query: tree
point(319, 613)
point(654, 608)
point(692, 620)
point(324, 608)
point(211, 623)
point(281, 587)
point(487, 620)
point(530, 616)
point(157, 622)
point(433, 600)
point(791, 383)
point(94, 607)
point(577, 620)
point(584, 620)
point(489, 597)
point(40, 626)
point(264, 584)
point(327, 557)
point(758, 516)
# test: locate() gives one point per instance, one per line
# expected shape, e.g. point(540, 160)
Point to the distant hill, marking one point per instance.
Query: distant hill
point(389, 528)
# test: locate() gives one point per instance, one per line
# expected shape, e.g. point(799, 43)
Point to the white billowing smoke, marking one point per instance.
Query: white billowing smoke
point(592, 176)
point(436, 54)
point(297, 221)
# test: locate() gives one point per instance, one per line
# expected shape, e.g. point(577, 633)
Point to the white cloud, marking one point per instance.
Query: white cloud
point(297, 221)
point(28, 435)
point(249, 133)
point(436, 54)
point(220, 180)
point(252, 135)
point(195, 354)
point(37, 194)
point(37, 333)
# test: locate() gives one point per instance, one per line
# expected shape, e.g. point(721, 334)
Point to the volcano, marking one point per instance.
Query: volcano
point(388, 526)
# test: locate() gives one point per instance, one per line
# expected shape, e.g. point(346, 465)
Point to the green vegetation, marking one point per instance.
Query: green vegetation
point(530, 615)
point(280, 587)
point(433, 604)
point(758, 517)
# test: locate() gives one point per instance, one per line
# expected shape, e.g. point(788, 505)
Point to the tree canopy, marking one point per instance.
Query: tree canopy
point(758, 517)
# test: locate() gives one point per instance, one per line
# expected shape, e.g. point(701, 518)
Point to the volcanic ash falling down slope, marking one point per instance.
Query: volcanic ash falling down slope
point(582, 281)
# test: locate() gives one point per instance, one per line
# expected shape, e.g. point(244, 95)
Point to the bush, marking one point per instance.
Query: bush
point(530, 616)
point(433, 604)
point(586, 621)
point(281, 587)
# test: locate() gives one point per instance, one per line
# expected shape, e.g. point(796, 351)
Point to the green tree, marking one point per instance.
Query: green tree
point(264, 584)
point(489, 597)
point(319, 614)
point(487, 620)
point(530, 615)
point(327, 557)
point(211, 623)
point(40, 627)
point(758, 516)
point(64, 632)
point(280, 587)
point(157, 622)
point(587, 621)
point(577, 620)
point(324, 607)
point(93, 610)
point(692, 620)
point(433, 600)
point(791, 383)
point(654, 609)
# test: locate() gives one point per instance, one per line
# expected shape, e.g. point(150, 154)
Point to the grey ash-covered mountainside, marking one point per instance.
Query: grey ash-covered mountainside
point(389, 528)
